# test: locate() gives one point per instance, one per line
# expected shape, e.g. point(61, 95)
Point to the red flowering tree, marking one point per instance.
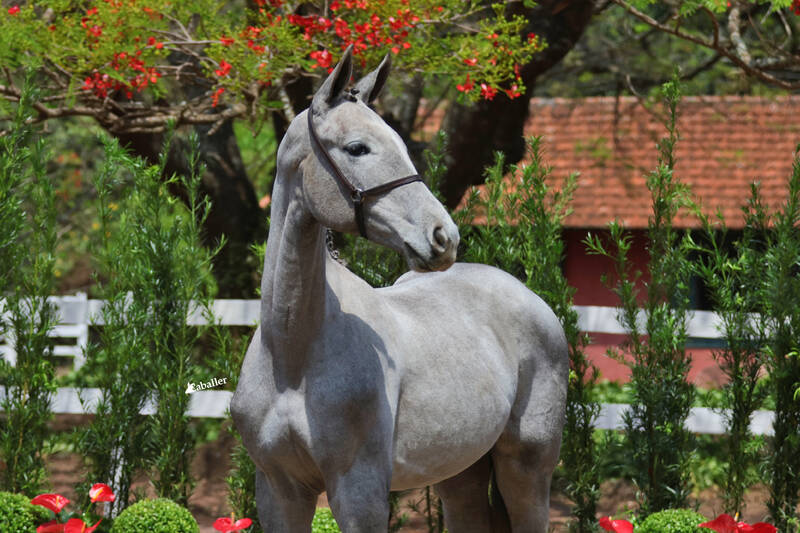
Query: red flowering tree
point(135, 66)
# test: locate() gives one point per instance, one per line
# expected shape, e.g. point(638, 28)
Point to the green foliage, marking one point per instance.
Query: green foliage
point(195, 55)
point(778, 292)
point(28, 215)
point(659, 444)
point(672, 521)
point(324, 522)
point(732, 274)
point(155, 516)
point(157, 273)
point(519, 230)
point(18, 515)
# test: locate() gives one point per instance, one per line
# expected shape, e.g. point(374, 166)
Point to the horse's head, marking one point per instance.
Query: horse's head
point(356, 158)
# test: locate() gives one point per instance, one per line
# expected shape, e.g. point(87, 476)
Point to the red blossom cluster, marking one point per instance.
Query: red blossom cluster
point(374, 31)
point(724, 523)
point(102, 84)
point(228, 524)
point(796, 7)
point(100, 492)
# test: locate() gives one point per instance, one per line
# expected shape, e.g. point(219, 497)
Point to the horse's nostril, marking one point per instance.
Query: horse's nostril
point(440, 237)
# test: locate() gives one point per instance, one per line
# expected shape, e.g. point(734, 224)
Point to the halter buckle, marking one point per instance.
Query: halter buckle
point(357, 196)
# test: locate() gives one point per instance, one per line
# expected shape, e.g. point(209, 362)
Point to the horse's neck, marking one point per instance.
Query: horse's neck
point(294, 287)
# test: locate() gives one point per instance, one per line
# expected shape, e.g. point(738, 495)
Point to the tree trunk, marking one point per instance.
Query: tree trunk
point(476, 132)
point(235, 213)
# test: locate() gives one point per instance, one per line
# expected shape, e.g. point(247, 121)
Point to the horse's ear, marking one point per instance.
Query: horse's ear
point(369, 87)
point(336, 81)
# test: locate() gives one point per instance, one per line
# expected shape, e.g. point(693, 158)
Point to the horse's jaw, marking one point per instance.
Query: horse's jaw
point(434, 252)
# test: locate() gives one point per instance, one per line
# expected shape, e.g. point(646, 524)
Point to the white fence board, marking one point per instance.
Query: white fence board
point(77, 313)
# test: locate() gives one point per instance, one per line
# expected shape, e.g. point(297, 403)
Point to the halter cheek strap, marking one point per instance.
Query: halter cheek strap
point(357, 195)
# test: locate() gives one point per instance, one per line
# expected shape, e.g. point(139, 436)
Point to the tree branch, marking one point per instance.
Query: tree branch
point(717, 47)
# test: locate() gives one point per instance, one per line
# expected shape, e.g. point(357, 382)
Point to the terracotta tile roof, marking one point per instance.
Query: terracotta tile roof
point(726, 143)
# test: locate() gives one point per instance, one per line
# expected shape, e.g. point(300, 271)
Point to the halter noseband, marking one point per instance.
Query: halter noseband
point(357, 195)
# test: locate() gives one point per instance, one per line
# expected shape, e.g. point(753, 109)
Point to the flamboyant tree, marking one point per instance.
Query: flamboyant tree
point(140, 67)
point(137, 66)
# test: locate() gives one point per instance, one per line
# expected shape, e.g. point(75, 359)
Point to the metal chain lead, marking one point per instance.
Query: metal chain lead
point(332, 251)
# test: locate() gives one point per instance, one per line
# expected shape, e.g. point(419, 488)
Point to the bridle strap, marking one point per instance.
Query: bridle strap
point(357, 195)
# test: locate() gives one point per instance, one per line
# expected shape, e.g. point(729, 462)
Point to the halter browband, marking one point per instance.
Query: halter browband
point(357, 195)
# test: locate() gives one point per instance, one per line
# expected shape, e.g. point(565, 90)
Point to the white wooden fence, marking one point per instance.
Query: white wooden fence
point(77, 313)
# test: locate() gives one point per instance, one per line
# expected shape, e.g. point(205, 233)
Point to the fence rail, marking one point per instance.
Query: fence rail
point(77, 313)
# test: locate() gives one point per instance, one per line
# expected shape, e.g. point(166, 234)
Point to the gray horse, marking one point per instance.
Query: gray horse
point(454, 376)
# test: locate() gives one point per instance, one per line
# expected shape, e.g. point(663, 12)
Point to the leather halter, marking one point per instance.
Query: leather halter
point(357, 194)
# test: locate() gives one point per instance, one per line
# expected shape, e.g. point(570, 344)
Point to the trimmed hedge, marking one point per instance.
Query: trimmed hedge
point(155, 516)
point(673, 521)
point(18, 515)
point(324, 522)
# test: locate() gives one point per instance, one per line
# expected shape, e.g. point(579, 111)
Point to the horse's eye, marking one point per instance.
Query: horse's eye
point(356, 148)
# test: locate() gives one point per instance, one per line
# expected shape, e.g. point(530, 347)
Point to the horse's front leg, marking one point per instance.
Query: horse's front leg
point(283, 505)
point(359, 498)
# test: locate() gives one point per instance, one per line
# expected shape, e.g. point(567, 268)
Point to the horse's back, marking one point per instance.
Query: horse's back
point(487, 294)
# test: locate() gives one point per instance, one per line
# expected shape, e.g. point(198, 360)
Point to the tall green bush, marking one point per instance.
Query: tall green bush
point(519, 230)
point(731, 271)
point(155, 273)
point(656, 439)
point(114, 445)
point(27, 259)
point(778, 250)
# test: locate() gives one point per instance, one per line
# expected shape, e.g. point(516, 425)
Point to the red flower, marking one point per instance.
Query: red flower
point(725, 523)
point(227, 524)
point(13, 10)
point(619, 526)
point(224, 68)
point(54, 502)
point(323, 58)
point(466, 86)
point(795, 7)
point(531, 37)
point(76, 525)
point(216, 95)
point(100, 492)
point(513, 92)
point(50, 527)
point(488, 91)
point(226, 41)
point(471, 62)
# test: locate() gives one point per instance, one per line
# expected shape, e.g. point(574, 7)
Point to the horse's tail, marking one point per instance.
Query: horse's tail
point(500, 521)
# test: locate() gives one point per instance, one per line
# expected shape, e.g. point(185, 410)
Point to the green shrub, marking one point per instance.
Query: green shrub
point(18, 515)
point(155, 516)
point(324, 522)
point(672, 521)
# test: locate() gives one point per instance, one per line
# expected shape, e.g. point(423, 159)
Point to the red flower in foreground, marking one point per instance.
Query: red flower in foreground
point(76, 525)
point(725, 523)
point(227, 524)
point(619, 526)
point(100, 492)
point(54, 502)
point(13, 10)
point(50, 527)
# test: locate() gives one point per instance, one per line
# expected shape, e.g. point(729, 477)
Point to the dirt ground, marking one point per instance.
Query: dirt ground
point(212, 463)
